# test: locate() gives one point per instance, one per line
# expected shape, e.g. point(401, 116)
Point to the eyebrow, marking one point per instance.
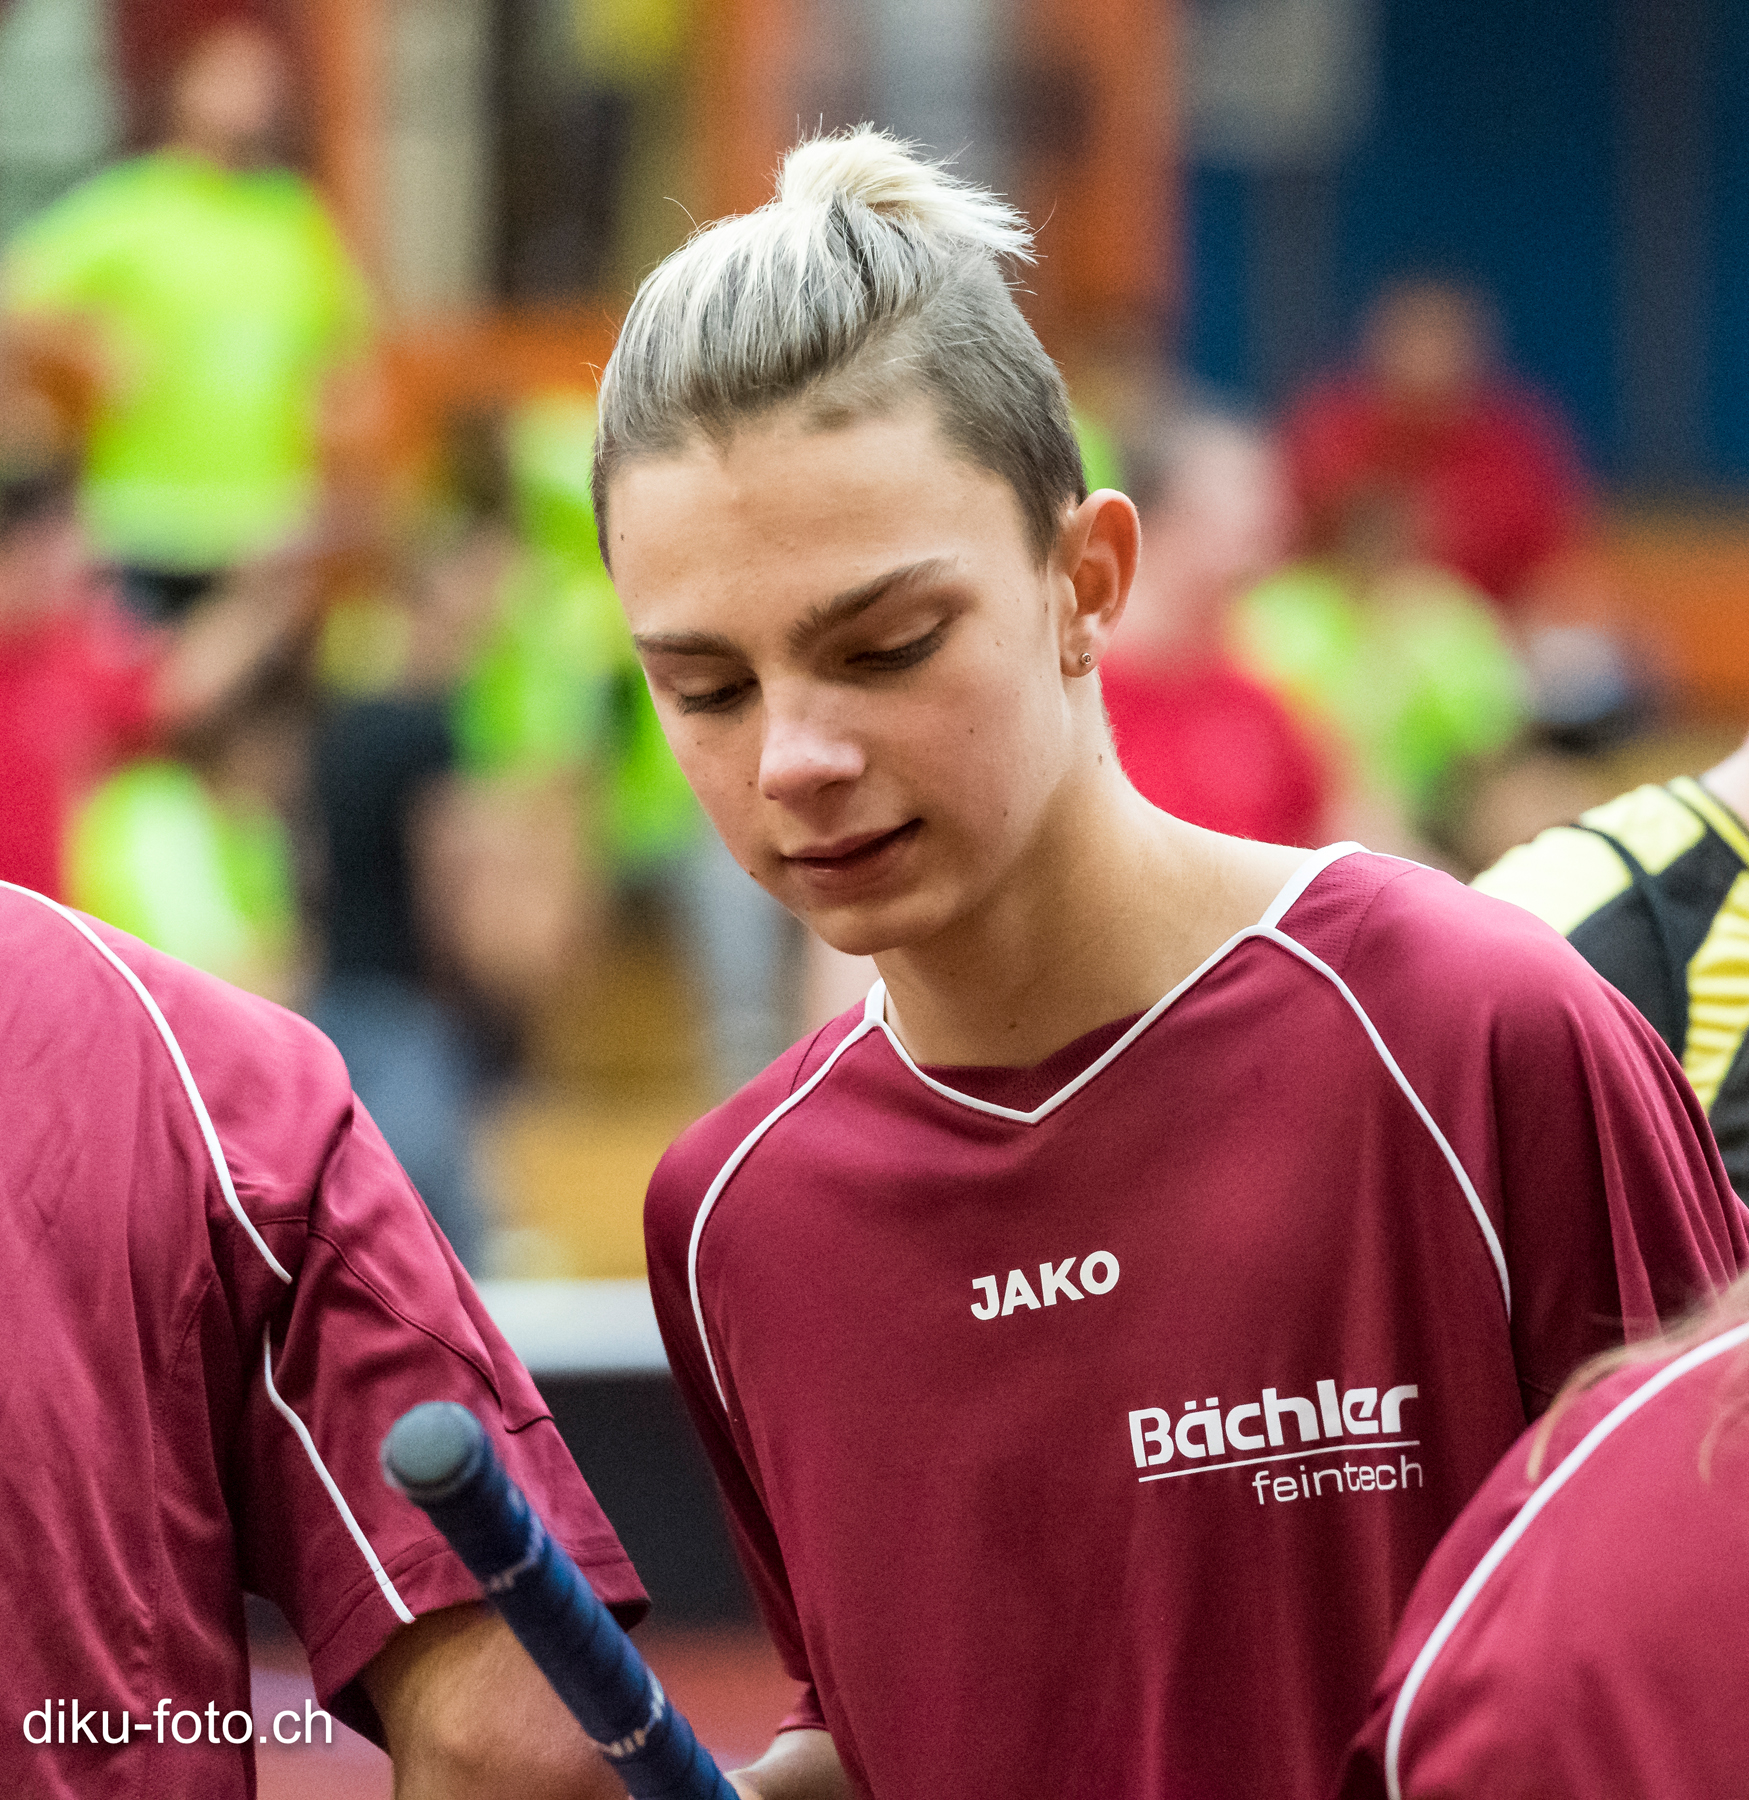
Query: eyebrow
point(817, 621)
point(813, 625)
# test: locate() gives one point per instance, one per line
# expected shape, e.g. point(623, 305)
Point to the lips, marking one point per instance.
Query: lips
point(852, 852)
point(851, 856)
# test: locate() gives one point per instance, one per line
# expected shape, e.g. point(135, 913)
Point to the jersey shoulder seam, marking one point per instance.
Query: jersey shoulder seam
point(319, 1234)
point(1399, 1075)
point(807, 1051)
point(1358, 921)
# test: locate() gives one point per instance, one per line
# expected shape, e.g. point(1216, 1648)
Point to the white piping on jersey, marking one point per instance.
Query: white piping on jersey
point(855, 1035)
point(1527, 1515)
point(1297, 883)
point(208, 1135)
point(1483, 1222)
point(328, 1481)
point(216, 1152)
point(1303, 877)
point(1267, 928)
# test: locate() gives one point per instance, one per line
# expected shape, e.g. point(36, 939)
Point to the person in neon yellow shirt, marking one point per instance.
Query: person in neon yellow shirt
point(1411, 674)
point(214, 296)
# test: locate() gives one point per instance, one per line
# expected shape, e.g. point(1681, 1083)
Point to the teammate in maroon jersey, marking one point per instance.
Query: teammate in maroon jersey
point(1095, 1332)
point(1579, 1632)
point(218, 1289)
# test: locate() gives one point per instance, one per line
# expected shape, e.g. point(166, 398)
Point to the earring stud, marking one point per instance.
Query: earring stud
point(1087, 659)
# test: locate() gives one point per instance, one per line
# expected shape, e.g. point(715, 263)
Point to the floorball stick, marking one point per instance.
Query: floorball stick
point(439, 1456)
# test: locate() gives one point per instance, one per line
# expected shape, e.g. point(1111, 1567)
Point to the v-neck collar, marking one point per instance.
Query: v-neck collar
point(874, 1016)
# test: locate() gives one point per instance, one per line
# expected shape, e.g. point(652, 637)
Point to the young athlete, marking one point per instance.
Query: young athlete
point(1094, 1333)
point(1578, 1634)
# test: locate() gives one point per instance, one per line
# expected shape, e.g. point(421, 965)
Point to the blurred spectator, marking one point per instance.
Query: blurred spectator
point(557, 686)
point(82, 684)
point(1412, 471)
point(76, 677)
point(1197, 735)
point(208, 296)
point(1406, 673)
point(1462, 466)
point(395, 644)
point(407, 1051)
point(193, 855)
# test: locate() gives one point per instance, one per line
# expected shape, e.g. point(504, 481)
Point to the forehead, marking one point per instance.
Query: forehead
point(782, 514)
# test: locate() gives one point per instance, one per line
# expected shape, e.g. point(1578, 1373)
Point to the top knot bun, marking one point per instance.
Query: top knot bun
point(869, 168)
point(871, 275)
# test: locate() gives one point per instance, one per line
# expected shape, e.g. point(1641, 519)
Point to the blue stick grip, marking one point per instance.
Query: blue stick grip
point(440, 1457)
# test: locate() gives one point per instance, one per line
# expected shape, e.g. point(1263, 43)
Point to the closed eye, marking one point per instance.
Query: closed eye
point(904, 656)
point(723, 699)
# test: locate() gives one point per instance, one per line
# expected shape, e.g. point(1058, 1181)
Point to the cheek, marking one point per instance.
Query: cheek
point(989, 738)
point(721, 764)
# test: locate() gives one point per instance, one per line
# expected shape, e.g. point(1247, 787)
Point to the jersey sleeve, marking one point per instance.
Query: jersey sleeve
point(1585, 1145)
point(377, 1315)
point(807, 1714)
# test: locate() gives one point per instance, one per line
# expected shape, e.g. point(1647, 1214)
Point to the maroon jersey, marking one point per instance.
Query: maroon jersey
point(217, 1292)
point(1581, 1636)
point(1085, 1428)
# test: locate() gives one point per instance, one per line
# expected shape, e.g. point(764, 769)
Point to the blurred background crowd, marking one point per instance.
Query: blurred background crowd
point(1410, 328)
point(1413, 328)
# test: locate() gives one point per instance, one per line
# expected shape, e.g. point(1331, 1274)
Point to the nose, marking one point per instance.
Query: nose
point(803, 754)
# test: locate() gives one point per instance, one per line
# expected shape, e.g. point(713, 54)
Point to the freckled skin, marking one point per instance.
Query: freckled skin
point(1016, 884)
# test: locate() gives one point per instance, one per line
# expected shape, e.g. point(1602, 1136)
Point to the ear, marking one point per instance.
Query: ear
point(1096, 555)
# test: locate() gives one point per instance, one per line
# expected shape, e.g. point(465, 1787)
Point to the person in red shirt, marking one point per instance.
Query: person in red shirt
point(217, 1292)
point(83, 684)
point(1578, 1634)
point(77, 677)
point(1196, 735)
point(1428, 445)
point(1094, 1332)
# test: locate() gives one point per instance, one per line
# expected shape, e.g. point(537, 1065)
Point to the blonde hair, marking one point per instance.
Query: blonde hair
point(1713, 1318)
point(871, 277)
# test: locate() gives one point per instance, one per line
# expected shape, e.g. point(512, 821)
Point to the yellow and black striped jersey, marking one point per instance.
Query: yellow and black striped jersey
point(1652, 889)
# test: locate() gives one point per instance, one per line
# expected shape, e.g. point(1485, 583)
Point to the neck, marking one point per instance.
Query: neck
point(222, 155)
point(1113, 905)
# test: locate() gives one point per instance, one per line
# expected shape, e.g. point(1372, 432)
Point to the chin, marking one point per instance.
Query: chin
point(874, 929)
point(853, 937)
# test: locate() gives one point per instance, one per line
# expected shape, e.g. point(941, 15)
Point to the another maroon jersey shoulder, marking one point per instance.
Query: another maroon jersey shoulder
point(217, 1291)
point(1614, 1592)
